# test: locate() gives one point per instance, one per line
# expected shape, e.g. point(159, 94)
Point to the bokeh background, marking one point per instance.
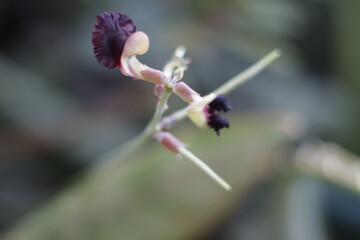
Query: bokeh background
point(60, 110)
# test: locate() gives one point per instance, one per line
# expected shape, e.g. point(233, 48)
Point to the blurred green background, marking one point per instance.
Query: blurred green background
point(60, 111)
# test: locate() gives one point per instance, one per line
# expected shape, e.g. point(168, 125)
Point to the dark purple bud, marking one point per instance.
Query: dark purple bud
point(220, 103)
point(109, 36)
point(218, 122)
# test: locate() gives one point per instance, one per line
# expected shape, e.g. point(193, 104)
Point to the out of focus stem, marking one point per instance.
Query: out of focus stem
point(161, 107)
point(129, 147)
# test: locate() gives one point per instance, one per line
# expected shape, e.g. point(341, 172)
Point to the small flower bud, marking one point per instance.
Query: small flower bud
point(153, 75)
point(185, 92)
point(178, 74)
point(159, 91)
point(169, 141)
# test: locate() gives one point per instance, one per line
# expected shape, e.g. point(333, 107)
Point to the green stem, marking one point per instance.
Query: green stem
point(124, 150)
point(248, 73)
point(199, 163)
point(115, 156)
point(161, 107)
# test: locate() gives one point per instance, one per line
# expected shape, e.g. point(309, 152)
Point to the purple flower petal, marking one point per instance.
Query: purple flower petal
point(218, 122)
point(220, 103)
point(109, 36)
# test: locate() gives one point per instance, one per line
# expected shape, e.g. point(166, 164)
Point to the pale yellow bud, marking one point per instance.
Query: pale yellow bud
point(197, 111)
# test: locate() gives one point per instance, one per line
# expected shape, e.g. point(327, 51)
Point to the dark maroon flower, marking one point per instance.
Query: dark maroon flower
point(109, 36)
point(220, 103)
point(204, 111)
point(216, 121)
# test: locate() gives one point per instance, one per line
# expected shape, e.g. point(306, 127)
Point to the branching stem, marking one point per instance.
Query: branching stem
point(171, 120)
point(158, 123)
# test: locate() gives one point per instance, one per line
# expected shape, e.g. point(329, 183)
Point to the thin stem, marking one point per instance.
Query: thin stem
point(161, 107)
point(137, 141)
point(197, 161)
point(171, 120)
point(248, 73)
point(114, 156)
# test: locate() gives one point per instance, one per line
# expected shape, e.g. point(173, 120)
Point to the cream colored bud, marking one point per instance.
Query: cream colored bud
point(197, 110)
point(138, 44)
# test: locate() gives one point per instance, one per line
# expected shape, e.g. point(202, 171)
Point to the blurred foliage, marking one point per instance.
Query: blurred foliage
point(153, 195)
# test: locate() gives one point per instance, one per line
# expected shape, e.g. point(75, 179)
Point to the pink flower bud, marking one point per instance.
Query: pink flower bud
point(153, 75)
point(185, 92)
point(159, 91)
point(169, 141)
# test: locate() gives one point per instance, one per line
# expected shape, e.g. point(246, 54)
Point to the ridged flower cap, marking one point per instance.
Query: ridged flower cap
point(109, 36)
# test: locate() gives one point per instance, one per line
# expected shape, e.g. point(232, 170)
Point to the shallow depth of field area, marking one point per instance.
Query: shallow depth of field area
point(291, 154)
